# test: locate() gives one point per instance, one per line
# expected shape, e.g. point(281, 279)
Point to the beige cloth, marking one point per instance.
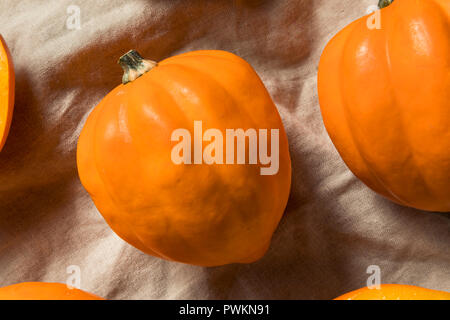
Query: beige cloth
point(334, 226)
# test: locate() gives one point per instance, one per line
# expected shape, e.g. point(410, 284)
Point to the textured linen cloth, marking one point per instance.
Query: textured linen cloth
point(334, 227)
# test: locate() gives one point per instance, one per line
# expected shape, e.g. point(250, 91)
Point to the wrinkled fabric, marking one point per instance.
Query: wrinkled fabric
point(334, 227)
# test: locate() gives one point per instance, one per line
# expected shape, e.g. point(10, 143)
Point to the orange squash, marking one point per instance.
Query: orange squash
point(385, 100)
point(6, 91)
point(395, 292)
point(43, 291)
point(201, 214)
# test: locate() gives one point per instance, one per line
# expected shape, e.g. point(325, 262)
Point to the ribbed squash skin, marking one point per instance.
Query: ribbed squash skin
point(43, 291)
point(395, 292)
point(385, 101)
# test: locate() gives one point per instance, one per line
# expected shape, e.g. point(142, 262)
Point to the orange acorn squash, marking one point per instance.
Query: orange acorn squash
point(385, 100)
point(6, 91)
point(43, 291)
point(202, 214)
point(395, 292)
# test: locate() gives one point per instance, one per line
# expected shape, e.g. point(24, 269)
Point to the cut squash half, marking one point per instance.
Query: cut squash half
point(6, 91)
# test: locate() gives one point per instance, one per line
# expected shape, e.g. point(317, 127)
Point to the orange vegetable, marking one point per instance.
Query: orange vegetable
point(199, 214)
point(43, 291)
point(385, 101)
point(6, 91)
point(395, 292)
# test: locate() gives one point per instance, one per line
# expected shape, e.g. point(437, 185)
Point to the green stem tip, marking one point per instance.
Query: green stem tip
point(134, 66)
point(384, 3)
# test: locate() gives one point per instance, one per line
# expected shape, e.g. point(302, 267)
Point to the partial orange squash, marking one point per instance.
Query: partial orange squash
point(395, 292)
point(6, 91)
point(201, 214)
point(43, 291)
point(385, 100)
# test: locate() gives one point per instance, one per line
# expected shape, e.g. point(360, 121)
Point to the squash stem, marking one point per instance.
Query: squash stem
point(134, 66)
point(384, 3)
